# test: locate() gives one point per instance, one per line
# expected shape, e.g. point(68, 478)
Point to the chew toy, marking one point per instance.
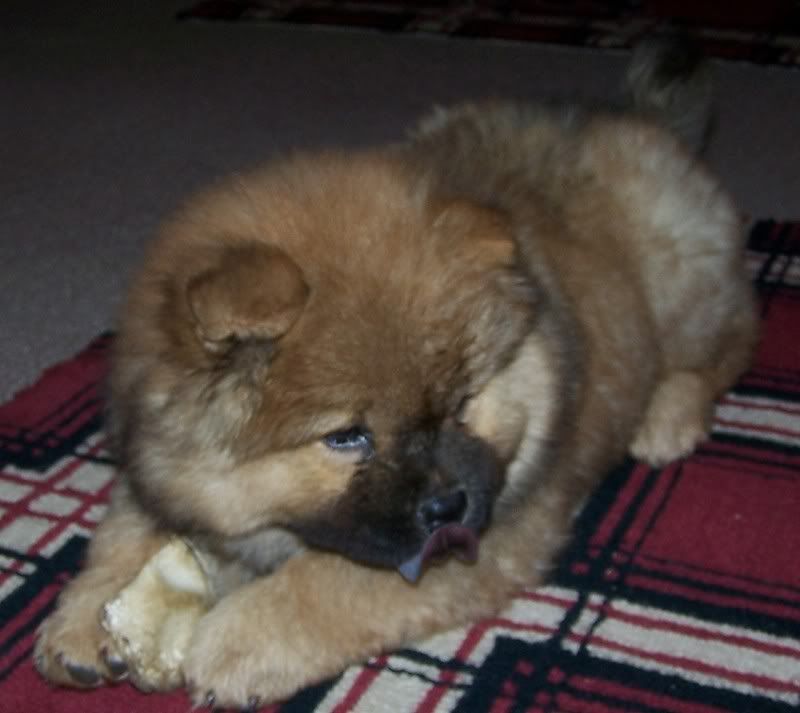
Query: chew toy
point(152, 619)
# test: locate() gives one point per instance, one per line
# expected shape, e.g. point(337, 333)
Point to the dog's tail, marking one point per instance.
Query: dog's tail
point(669, 80)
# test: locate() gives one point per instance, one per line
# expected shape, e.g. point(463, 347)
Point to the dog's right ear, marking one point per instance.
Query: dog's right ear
point(251, 292)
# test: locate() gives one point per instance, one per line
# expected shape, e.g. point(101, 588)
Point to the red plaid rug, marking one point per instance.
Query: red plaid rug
point(764, 32)
point(680, 592)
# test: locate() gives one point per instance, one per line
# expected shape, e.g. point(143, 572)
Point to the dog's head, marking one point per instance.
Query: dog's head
point(329, 349)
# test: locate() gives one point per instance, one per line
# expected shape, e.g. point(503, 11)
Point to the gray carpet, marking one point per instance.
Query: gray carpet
point(111, 112)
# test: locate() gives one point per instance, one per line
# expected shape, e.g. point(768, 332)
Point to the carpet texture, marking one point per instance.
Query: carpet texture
point(679, 593)
point(767, 32)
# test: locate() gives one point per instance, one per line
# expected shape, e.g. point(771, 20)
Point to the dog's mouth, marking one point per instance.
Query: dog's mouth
point(452, 539)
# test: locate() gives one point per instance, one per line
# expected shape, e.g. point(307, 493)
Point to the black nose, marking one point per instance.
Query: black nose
point(441, 509)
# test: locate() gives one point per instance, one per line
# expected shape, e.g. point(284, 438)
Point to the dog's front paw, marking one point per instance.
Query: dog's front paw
point(73, 650)
point(253, 648)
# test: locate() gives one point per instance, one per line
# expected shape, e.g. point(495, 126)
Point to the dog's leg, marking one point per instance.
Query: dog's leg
point(72, 648)
point(679, 414)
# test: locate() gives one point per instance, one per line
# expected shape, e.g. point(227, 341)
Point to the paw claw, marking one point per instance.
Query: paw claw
point(253, 704)
point(116, 666)
point(83, 675)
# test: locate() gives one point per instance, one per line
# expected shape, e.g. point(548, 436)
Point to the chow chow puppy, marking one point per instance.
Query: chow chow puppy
point(376, 387)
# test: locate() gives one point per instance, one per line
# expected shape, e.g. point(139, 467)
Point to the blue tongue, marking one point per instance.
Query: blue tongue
point(458, 539)
point(412, 569)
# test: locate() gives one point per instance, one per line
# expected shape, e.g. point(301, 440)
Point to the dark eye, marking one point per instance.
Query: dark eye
point(355, 438)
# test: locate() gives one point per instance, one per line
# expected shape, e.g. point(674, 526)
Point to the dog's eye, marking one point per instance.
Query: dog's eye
point(355, 438)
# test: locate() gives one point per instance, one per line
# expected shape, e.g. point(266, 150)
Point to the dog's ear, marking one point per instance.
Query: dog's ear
point(252, 292)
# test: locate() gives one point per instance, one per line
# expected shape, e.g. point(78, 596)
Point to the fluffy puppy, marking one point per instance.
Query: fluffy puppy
point(377, 386)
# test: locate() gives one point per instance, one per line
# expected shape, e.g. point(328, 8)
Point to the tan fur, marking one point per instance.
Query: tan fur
point(561, 289)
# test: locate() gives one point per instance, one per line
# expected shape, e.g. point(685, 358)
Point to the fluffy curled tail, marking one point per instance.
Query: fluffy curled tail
point(669, 80)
